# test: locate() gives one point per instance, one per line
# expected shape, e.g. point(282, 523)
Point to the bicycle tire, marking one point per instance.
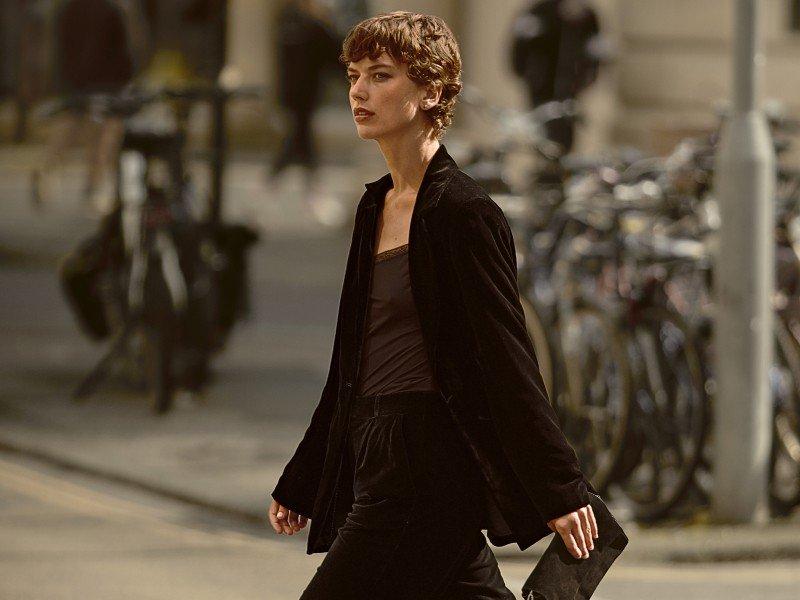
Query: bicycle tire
point(665, 429)
point(784, 480)
point(594, 418)
point(541, 343)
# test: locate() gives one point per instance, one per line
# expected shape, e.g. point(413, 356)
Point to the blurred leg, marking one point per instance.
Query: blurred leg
point(103, 161)
point(287, 154)
point(306, 151)
point(92, 130)
point(561, 131)
point(62, 135)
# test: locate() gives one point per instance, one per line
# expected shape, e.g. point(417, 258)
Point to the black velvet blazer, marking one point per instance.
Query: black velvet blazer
point(463, 271)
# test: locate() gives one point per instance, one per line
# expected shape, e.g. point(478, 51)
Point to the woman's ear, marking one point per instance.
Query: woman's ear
point(433, 92)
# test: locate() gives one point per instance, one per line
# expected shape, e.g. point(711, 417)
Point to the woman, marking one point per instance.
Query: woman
point(434, 422)
point(305, 46)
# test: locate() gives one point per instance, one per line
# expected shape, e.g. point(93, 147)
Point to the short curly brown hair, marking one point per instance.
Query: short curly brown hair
point(424, 43)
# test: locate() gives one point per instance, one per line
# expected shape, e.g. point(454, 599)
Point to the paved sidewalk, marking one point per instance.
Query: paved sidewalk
point(228, 460)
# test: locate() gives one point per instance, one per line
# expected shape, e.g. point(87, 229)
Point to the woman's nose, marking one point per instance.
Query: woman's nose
point(358, 91)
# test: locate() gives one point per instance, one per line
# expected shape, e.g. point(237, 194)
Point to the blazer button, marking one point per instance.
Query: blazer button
point(348, 384)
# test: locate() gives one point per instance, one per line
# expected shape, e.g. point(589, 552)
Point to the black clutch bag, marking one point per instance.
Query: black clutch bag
point(560, 576)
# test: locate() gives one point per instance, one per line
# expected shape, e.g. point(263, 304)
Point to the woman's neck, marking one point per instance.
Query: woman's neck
point(407, 161)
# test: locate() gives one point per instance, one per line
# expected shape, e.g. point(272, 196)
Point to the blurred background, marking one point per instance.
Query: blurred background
point(178, 183)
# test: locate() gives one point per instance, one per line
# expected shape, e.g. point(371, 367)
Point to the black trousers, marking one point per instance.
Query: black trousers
point(414, 532)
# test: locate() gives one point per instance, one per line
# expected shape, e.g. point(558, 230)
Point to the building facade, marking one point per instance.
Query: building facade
point(672, 67)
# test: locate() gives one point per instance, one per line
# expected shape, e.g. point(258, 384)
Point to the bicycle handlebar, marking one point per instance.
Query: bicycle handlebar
point(129, 101)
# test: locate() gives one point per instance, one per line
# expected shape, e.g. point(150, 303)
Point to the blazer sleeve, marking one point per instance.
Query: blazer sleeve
point(297, 486)
point(483, 255)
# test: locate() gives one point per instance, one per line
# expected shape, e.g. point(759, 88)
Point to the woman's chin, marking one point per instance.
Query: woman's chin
point(365, 133)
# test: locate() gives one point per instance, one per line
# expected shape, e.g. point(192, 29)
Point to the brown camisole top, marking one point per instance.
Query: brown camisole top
point(393, 358)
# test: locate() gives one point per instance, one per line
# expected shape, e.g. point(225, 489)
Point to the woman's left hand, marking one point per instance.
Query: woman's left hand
point(578, 529)
point(285, 521)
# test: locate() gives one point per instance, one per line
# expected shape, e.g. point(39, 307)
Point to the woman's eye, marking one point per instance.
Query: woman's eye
point(378, 77)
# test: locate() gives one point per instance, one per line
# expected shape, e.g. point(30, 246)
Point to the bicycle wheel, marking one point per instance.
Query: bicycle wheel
point(784, 481)
point(669, 414)
point(592, 390)
point(541, 343)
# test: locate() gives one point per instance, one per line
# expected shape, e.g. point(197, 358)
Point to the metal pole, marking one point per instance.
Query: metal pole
point(745, 181)
point(218, 125)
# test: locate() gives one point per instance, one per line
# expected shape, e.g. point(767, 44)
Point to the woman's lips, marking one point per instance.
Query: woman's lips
point(362, 115)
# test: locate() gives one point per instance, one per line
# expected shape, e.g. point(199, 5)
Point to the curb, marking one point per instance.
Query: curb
point(77, 467)
point(694, 545)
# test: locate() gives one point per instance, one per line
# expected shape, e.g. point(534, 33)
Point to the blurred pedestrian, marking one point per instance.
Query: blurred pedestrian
point(434, 422)
point(306, 44)
point(93, 57)
point(555, 49)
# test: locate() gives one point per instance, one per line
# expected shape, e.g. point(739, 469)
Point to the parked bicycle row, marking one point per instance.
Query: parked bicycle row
point(616, 264)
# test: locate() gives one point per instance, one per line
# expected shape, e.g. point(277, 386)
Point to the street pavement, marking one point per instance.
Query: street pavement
point(219, 456)
point(68, 536)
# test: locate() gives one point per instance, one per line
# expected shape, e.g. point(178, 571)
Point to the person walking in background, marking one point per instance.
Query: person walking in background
point(555, 50)
point(434, 422)
point(93, 56)
point(307, 43)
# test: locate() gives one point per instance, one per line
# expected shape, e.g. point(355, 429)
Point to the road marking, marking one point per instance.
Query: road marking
point(54, 490)
point(58, 491)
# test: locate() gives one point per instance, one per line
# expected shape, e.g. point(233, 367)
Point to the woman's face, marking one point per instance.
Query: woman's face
point(395, 103)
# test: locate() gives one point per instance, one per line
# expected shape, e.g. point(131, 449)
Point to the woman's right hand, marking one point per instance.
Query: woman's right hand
point(578, 529)
point(284, 520)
